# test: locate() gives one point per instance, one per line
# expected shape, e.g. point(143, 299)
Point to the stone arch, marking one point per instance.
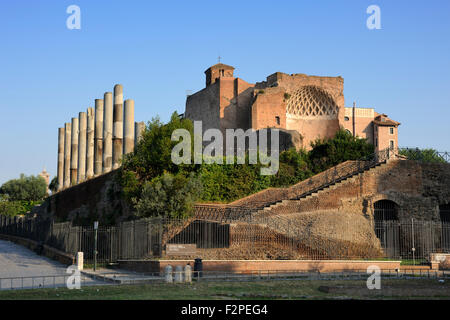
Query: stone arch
point(444, 214)
point(385, 210)
point(385, 215)
point(311, 101)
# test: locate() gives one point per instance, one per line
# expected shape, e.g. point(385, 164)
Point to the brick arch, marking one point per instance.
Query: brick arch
point(385, 210)
point(311, 101)
point(379, 197)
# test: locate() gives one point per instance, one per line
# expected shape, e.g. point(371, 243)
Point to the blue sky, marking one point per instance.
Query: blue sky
point(158, 50)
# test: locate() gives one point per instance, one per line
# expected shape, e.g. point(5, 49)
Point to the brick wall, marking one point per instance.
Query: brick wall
point(417, 188)
point(270, 195)
point(95, 199)
point(248, 266)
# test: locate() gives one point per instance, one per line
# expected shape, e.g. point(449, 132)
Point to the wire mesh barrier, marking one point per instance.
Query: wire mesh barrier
point(45, 281)
point(274, 237)
point(413, 240)
point(105, 278)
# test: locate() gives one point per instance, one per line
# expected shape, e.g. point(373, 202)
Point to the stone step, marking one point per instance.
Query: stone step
point(325, 189)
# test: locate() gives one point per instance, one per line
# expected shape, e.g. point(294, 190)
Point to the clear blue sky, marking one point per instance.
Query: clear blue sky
point(159, 49)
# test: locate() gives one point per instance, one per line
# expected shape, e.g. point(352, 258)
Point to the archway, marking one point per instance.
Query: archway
point(444, 214)
point(385, 210)
point(387, 228)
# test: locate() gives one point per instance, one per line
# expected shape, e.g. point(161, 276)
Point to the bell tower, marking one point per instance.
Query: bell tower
point(217, 71)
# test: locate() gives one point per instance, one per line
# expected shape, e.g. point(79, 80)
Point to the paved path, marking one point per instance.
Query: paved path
point(17, 262)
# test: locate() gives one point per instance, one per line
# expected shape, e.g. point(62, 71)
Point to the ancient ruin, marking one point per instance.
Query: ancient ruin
point(92, 143)
point(310, 106)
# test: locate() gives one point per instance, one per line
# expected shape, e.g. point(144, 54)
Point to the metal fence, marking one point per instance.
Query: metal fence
point(268, 238)
point(423, 155)
point(413, 239)
point(43, 282)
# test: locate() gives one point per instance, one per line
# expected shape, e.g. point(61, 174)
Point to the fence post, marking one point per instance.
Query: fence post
point(95, 244)
point(413, 247)
point(160, 237)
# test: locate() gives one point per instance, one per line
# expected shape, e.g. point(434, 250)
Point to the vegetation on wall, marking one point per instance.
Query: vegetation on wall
point(149, 178)
point(168, 195)
point(327, 153)
point(18, 196)
point(154, 186)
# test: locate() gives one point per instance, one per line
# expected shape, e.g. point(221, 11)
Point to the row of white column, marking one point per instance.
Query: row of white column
point(93, 143)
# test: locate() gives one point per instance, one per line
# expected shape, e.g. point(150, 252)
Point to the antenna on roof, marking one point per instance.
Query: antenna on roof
point(218, 58)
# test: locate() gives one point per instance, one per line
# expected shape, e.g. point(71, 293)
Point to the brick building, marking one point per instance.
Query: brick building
point(306, 107)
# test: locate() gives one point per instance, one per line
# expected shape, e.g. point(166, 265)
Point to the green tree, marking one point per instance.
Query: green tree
point(168, 196)
point(326, 153)
point(26, 188)
point(228, 182)
point(18, 207)
point(152, 155)
point(294, 167)
point(54, 185)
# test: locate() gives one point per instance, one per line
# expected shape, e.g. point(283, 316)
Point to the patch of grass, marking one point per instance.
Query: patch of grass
point(411, 262)
point(91, 265)
point(291, 289)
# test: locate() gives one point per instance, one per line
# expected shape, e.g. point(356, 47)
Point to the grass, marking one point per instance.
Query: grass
point(293, 289)
point(411, 262)
point(404, 262)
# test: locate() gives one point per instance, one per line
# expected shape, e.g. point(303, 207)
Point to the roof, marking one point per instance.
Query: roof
point(219, 66)
point(383, 120)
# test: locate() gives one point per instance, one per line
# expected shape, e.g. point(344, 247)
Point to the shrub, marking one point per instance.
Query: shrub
point(327, 153)
point(168, 196)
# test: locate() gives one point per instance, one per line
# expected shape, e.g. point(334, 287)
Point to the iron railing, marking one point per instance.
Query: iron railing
point(424, 155)
point(298, 191)
point(318, 182)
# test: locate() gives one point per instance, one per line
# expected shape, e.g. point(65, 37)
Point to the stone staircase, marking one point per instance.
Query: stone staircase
point(271, 198)
point(315, 192)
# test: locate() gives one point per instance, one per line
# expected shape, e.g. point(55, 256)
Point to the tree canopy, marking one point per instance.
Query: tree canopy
point(26, 188)
point(327, 153)
point(19, 196)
